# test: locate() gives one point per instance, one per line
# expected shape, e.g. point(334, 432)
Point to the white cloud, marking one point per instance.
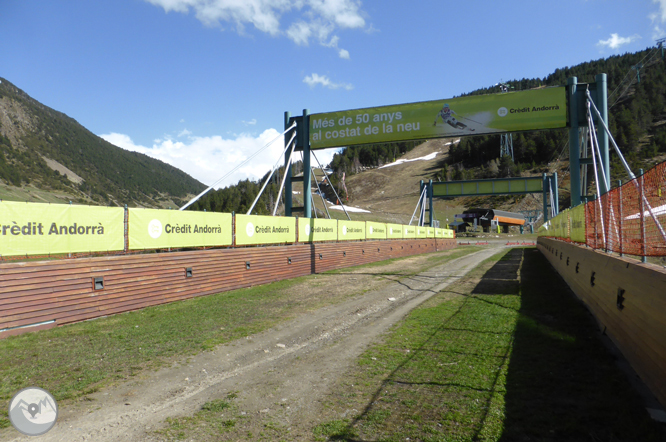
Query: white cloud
point(316, 79)
point(344, 54)
point(661, 15)
point(209, 158)
point(615, 41)
point(317, 18)
point(184, 132)
point(252, 122)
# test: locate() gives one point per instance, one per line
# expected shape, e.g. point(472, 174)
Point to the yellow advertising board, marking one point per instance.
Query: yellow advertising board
point(577, 223)
point(255, 229)
point(39, 229)
point(375, 230)
point(161, 229)
point(409, 232)
point(394, 231)
point(421, 232)
point(317, 229)
point(430, 232)
point(448, 233)
point(351, 230)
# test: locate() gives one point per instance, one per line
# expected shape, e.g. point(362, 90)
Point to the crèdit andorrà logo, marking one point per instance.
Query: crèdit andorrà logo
point(33, 411)
point(249, 229)
point(502, 112)
point(155, 229)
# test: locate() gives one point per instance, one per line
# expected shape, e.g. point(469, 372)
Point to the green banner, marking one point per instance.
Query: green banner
point(317, 229)
point(409, 232)
point(577, 223)
point(375, 230)
point(40, 229)
point(254, 229)
point(495, 186)
point(351, 230)
point(470, 115)
point(394, 231)
point(161, 229)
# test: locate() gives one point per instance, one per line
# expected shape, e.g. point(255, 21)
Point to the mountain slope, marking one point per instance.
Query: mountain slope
point(45, 151)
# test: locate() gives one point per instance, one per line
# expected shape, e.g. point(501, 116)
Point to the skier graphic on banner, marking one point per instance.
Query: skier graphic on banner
point(447, 117)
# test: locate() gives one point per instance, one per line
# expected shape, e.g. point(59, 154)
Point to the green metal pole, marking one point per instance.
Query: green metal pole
point(421, 202)
point(287, 171)
point(602, 136)
point(574, 142)
point(545, 198)
point(430, 211)
point(307, 174)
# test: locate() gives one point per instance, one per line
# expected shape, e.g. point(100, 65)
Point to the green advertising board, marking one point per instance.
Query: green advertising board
point(254, 229)
point(394, 231)
point(494, 186)
point(317, 229)
point(470, 115)
point(161, 229)
point(41, 229)
point(409, 232)
point(375, 230)
point(351, 230)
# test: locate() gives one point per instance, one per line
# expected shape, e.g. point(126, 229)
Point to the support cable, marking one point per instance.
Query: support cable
point(284, 178)
point(193, 200)
point(626, 166)
point(321, 195)
point(417, 206)
point(331, 184)
point(273, 169)
point(596, 182)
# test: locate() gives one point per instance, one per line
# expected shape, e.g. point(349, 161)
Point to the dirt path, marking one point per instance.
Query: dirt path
point(279, 375)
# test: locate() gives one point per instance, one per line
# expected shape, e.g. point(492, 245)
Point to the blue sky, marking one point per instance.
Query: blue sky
point(202, 84)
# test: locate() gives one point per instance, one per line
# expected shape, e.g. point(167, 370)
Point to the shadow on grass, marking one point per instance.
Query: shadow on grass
point(515, 358)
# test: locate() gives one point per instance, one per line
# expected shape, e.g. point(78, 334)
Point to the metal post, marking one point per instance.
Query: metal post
point(287, 170)
point(596, 216)
point(545, 198)
point(574, 142)
point(602, 136)
point(430, 211)
point(641, 190)
point(307, 175)
point(556, 193)
point(421, 202)
point(621, 215)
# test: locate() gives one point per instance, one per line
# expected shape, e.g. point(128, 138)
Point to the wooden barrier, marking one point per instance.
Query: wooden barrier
point(627, 298)
point(53, 293)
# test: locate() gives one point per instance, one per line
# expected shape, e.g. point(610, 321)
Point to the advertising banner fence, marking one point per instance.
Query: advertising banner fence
point(394, 231)
point(317, 229)
point(470, 115)
point(351, 230)
point(254, 230)
point(421, 232)
point(375, 230)
point(577, 223)
point(161, 229)
point(41, 229)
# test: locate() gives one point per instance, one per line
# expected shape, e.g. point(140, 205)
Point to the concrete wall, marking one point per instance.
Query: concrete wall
point(627, 298)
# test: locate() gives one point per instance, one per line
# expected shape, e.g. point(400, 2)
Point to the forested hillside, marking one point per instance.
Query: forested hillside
point(636, 112)
point(49, 150)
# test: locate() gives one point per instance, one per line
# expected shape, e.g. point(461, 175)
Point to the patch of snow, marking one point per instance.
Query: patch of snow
point(350, 209)
point(428, 157)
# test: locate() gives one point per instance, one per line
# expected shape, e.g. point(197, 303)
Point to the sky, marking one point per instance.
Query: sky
point(204, 84)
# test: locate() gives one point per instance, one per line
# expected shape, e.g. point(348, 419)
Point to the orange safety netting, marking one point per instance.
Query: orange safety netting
point(630, 219)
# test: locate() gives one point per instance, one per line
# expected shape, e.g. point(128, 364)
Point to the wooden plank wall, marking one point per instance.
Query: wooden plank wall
point(61, 292)
point(638, 324)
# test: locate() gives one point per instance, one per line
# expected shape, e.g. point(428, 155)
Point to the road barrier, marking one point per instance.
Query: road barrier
point(630, 219)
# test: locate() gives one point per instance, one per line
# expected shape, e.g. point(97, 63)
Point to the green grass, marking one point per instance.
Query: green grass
point(505, 354)
point(79, 359)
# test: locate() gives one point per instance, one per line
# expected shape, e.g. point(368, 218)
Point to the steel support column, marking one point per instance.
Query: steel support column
point(307, 170)
point(601, 100)
point(574, 143)
point(287, 170)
